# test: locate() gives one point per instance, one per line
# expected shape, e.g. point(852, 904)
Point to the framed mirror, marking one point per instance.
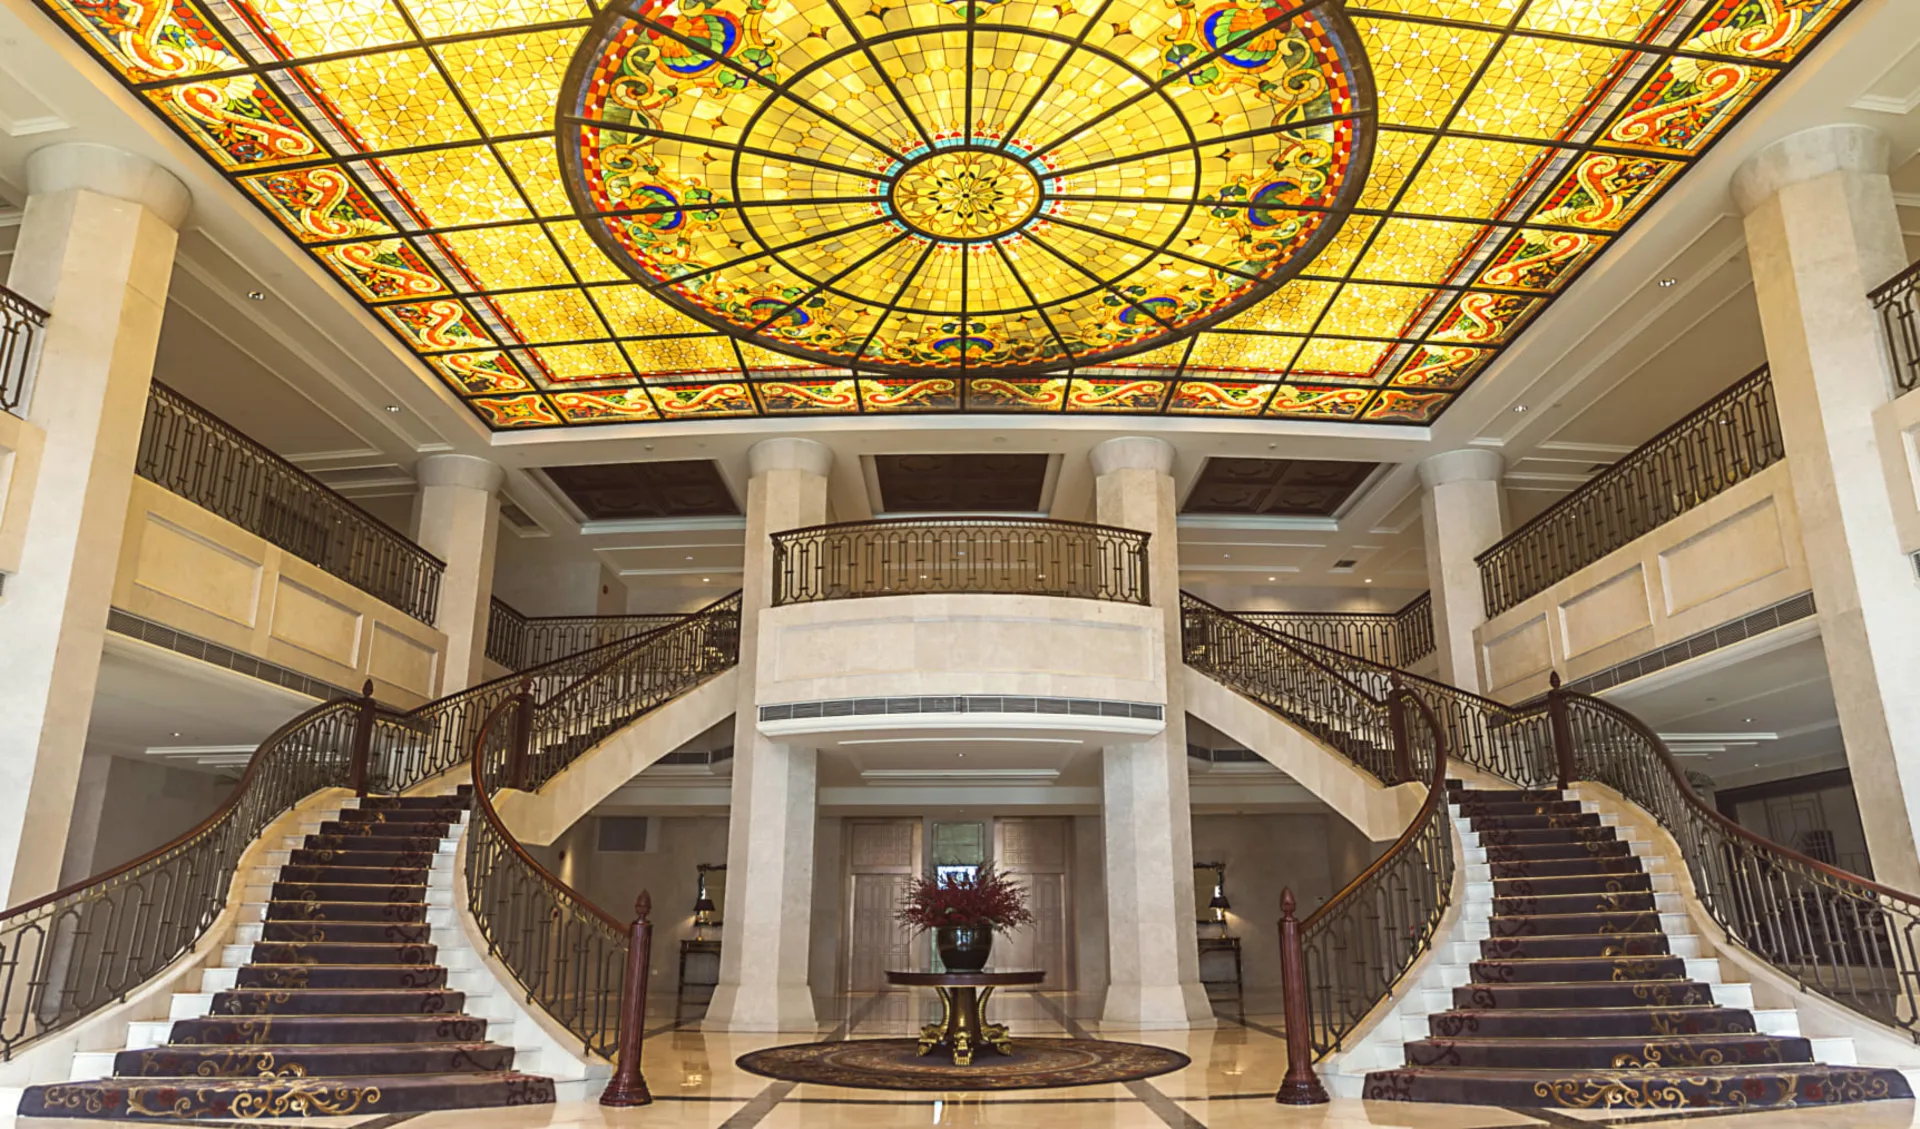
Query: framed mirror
point(712, 896)
point(1210, 892)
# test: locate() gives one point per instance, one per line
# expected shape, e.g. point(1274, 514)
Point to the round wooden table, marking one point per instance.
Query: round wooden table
point(963, 1026)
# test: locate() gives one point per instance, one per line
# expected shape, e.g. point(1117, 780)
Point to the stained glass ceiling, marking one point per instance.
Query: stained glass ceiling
point(1478, 155)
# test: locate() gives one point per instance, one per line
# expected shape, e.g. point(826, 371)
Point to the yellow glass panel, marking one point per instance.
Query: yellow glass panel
point(1468, 177)
point(1244, 351)
point(1292, 309)
point(1421, 70)
point(321, 27)
point(1536, 87)
point(1395, 158)
point(551, 315)
point(506, 258)
point(585, 255)
point(684, 354)
point(452, 187)
point(1333, 360)
point(1496, 12)
point(1417, 250)
point(584, 363)
point(632, 312)
point(538, 171)
point(1599, 19)
point(393, 99)
point(454, 17)
point(1374, 311)
point(759, 359)
point(511, 82)
point(1338, 255)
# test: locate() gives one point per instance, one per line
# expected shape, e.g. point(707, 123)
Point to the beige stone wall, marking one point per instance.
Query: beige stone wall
point(191, 570)
point(1739, 552)
point(20, 446)
point(962, 644)
point(1896, 426)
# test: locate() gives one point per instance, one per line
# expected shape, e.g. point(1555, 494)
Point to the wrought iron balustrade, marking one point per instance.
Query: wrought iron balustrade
point(20, 325)
point(1898, 300)
point(86, 947)
point(1730, 438)
point(931, 556)
point(195, 454)
point(1398, 639)
point(1348, 955)
point(1843, 936)
point(517, 641)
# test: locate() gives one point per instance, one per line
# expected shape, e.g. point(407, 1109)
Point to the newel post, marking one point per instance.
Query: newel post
point(522, 736)
point(1397, 726)
point(628, 1087)
point(362, 741)
point(1562, 729)
point(1301, 1085)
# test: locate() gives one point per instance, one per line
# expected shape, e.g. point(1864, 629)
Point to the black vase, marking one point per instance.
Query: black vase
point(964, 948)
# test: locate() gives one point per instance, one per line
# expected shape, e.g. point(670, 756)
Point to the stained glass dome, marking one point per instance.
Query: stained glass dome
point(932, 185)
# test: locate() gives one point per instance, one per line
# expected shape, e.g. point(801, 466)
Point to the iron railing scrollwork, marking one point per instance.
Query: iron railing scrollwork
point(189, 451)
point(1397, 639)
point(1898, 300)
point(1017, 556)
point(517, 641)
point(1843, 936)
point(1730, 438)
point(1348, 955)
point(609, 685)
point(20, 325)
point(83, 948)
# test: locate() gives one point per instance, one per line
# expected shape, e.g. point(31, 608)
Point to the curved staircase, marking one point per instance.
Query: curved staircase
point(1579, 1000)
point(341, 1009)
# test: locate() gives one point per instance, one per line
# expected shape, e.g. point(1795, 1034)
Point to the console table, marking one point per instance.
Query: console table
point(963, 1025)
point(1229, 947)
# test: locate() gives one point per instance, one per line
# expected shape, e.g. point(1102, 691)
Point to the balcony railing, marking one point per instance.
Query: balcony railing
point(921, 557)
point(1898, 300)
point(517, 642)
point(193, 453)
point(1730, 438)
point(20, 324)
point(1399, 638)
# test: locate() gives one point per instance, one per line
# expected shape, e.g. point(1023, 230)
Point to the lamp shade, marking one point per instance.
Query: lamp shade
point(704, 905)
point(1219, 902)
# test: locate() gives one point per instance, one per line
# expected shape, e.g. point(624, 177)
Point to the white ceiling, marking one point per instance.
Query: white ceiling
point(150, 698)
point(310, 374)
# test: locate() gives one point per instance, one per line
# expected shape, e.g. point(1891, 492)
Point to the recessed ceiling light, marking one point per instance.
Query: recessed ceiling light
point(395, 408)
point(1269, 579)
point(1226, 556)
point(1518, 408)
point(1369, 580)
point(1669, 283)
point(257, 295)
point(1749, 720)
point(176, 735)
point(706, 580)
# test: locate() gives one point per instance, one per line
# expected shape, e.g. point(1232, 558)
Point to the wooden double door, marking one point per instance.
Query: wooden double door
point(885, 855)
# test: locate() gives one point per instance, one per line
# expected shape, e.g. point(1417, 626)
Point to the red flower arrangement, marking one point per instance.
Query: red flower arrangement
point(987, 899)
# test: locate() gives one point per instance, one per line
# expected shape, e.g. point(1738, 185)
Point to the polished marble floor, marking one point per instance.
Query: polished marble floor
point(1229, 1086)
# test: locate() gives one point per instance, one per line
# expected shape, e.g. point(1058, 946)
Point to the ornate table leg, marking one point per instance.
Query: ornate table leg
point(993, 1034)
point(934, 1034)
point(964, 1030)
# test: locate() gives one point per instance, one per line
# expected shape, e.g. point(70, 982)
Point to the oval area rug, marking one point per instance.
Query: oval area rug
point(896, 1064)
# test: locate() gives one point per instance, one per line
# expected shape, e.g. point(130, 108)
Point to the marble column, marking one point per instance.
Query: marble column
point(769, 899)
point(460, 524)
point(96, 249)
point(1152, 951)
point(1462, 514)
point(1821, 231)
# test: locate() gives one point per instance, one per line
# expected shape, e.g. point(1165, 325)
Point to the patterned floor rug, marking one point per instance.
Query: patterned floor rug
point(896, 1064)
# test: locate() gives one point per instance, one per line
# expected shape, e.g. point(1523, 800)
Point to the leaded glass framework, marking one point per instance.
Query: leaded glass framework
point(411, 147)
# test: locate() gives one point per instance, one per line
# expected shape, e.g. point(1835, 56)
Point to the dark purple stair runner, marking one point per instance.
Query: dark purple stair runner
point(342, 1010)
point(1577, 1001)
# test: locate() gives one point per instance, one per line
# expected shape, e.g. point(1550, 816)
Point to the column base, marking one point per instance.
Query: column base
point(1158, 1007)
point(753, 1008)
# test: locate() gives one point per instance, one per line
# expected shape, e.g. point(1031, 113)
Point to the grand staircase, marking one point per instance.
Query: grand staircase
point(341, 1010)
point(1579, 1000)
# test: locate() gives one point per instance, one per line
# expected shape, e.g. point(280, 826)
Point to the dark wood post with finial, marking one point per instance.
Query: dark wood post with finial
point(522, 736)
point(1397, 726)
point(1562, 729)
point(1301, 1085)
point(362, 750)
point(628, 1087)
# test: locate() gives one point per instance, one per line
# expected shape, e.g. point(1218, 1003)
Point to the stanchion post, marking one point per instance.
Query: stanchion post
point(362, 741)
point(522, 736)
point(1301, 1085)
point(628, 1087)
point(1562, 729)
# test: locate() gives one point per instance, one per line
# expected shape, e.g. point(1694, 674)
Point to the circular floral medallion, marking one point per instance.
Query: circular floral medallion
point(1006, 187)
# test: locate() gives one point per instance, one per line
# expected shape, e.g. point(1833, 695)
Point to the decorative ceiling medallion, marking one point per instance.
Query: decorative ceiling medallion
point(928, 186)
